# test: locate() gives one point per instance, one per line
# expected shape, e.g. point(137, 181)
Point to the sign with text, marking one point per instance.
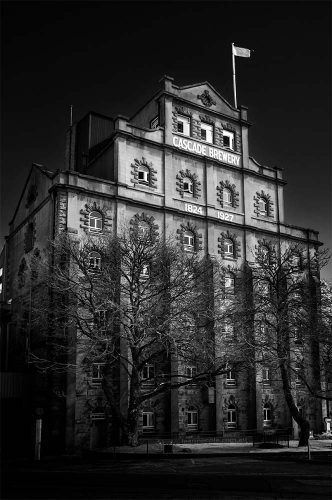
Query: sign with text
point(206, 150)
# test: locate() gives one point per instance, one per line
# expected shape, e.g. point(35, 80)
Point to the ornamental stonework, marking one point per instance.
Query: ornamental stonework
point(183, 174)
point(236, 245)
point(147, 219)
point(152, 183)
point(232, 188)
point(198, 237)
point(207, 99)
point(270, 205)
point(61, 212)
point(105, 213)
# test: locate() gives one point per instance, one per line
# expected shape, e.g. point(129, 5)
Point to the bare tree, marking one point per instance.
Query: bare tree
point(127, 302)
point(285, 316)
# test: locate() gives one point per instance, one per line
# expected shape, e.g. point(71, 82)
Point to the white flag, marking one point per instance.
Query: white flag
point(240, 52)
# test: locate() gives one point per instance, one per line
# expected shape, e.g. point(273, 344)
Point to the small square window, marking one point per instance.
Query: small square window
point(230, 378)
point(183, 125)
point(188, 186)
point(228, 138)
point(207, 132)
point(97, 373)
point(148, 372)
point(148, 420)
point(266, 376)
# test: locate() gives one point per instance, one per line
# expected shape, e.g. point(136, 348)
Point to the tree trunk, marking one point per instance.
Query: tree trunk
point(304, 433)
point(303, 424)
point(132, 426)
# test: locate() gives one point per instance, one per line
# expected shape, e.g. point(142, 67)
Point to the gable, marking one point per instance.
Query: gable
point(34, 192)
point(203, 94)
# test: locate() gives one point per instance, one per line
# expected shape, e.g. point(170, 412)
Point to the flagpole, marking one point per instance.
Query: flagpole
point(234, 77)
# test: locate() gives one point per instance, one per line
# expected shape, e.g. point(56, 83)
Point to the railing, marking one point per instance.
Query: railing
point(253, 436)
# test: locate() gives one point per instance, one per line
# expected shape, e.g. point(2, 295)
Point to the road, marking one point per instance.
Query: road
point(186, 478)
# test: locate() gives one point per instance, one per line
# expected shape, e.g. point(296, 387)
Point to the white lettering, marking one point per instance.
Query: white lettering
point(202, 149)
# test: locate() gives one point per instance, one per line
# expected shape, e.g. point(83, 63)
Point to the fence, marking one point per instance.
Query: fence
point(254, 436)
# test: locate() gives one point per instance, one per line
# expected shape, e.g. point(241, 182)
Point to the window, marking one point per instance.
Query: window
point(266, 376)
point(229, 283)
point(94, 261)
point(263, 206)
point(267, 415)
point(228, 139)
point(183, 125)
point(97, 372)
point(230, 378)
point(148, 420)
point(188, 240)
point(207, 132)
point(298, 377)
point(191, 371)
point(148, 372)
point(229, 248)
point(188, 186)
point(145, 271)
point(0, 287)
point(231, 416)
point(192, 418)
point(155, 122)
point(95, 221)
point(265, 288)
point(297, 335)
point(1, 271)
point(265, 252)
point(143, 229)
point(143, 175)
point(227, 328)
point(227, 197)
point(101, 319)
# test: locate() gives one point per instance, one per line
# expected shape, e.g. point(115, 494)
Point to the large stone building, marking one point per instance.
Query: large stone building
point(182, 163)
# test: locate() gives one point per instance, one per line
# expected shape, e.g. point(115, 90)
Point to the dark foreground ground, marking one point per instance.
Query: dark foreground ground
point(232, 476)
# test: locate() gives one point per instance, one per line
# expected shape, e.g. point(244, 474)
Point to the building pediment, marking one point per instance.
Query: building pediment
point(203, 94)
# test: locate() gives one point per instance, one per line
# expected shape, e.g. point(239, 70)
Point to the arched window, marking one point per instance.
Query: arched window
point(227, 197)
point(143, 175)
point(192, 418)
point(143, 229)
point(231, 416)
point(265, 251)
point(189, 240)
point(229, 283)
point(148, 420)
point(267, 415)
point(263, 206)
point(95, 221)
point(228, 248)
point(188, 186)
point(94, 261)
point(227, 328)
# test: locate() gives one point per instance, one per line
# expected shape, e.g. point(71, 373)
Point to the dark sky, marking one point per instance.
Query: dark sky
point(108, 57)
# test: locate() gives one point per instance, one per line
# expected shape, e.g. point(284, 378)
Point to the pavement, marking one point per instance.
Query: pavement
point(205, 471)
